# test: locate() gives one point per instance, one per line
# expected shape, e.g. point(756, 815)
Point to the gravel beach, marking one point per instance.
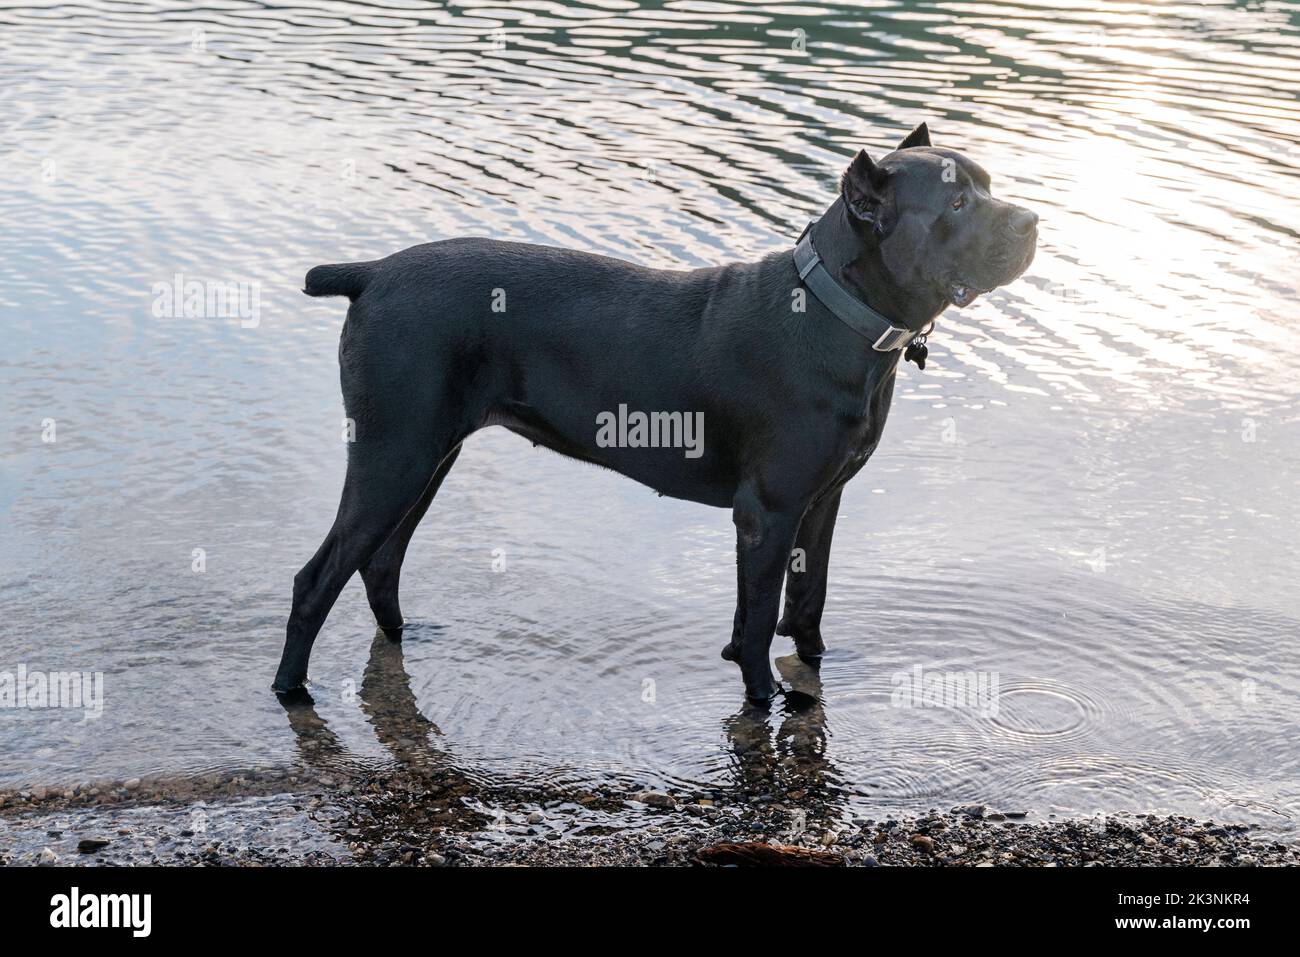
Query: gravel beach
point(362, 816)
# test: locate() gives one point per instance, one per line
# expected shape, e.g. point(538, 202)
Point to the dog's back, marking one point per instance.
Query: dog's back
point(542, 340)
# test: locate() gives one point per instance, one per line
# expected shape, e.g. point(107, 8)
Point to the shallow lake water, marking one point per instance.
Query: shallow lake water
point(1088, 496)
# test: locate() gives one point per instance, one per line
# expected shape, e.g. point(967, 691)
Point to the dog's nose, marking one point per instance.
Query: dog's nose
point(1023, 221)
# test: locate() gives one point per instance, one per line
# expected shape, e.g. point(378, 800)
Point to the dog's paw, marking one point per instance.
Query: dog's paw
point(808, 644)
point(763, 697)
point(294, 697)
point(730, 652)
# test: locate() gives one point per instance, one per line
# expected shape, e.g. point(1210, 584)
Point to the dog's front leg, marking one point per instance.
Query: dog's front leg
point(805, 585)
point(764, 537)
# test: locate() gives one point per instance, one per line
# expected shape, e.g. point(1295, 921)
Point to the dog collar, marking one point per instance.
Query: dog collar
point(849, 309)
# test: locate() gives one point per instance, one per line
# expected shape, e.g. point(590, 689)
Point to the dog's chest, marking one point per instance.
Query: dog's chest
point(859, 427)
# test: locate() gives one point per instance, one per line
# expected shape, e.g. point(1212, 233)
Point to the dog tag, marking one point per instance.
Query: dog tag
point(916, 352)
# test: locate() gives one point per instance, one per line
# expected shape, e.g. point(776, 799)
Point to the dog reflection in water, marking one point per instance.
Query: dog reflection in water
point(788, 768)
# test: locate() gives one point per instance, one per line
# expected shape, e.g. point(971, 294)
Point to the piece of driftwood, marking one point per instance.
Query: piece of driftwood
point(754, 854)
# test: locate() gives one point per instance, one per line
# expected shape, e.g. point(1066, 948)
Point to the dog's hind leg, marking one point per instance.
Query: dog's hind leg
point(387, 474)
point(805, 584)
point(382, 572)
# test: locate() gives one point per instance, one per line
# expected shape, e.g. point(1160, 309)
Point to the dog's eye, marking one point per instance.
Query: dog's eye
point(959, 202)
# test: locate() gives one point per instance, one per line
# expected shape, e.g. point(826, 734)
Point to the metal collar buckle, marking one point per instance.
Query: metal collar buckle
point(893, 338)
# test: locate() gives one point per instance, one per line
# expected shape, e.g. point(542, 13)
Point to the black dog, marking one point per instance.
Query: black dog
point(760, 387)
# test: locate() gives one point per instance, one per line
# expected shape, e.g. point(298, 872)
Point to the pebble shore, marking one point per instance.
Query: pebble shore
point(405, 817)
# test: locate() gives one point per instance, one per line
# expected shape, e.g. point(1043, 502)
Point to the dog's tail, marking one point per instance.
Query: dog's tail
point(340, 279)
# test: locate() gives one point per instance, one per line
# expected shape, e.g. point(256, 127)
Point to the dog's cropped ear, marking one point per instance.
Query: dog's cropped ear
point(918, 137)
point(863, 187)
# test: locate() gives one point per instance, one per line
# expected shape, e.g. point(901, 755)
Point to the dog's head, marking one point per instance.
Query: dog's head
point(938, 227)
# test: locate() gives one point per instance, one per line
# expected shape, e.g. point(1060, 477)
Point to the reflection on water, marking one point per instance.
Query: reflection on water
point(1089, 492)
point(792, 759)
